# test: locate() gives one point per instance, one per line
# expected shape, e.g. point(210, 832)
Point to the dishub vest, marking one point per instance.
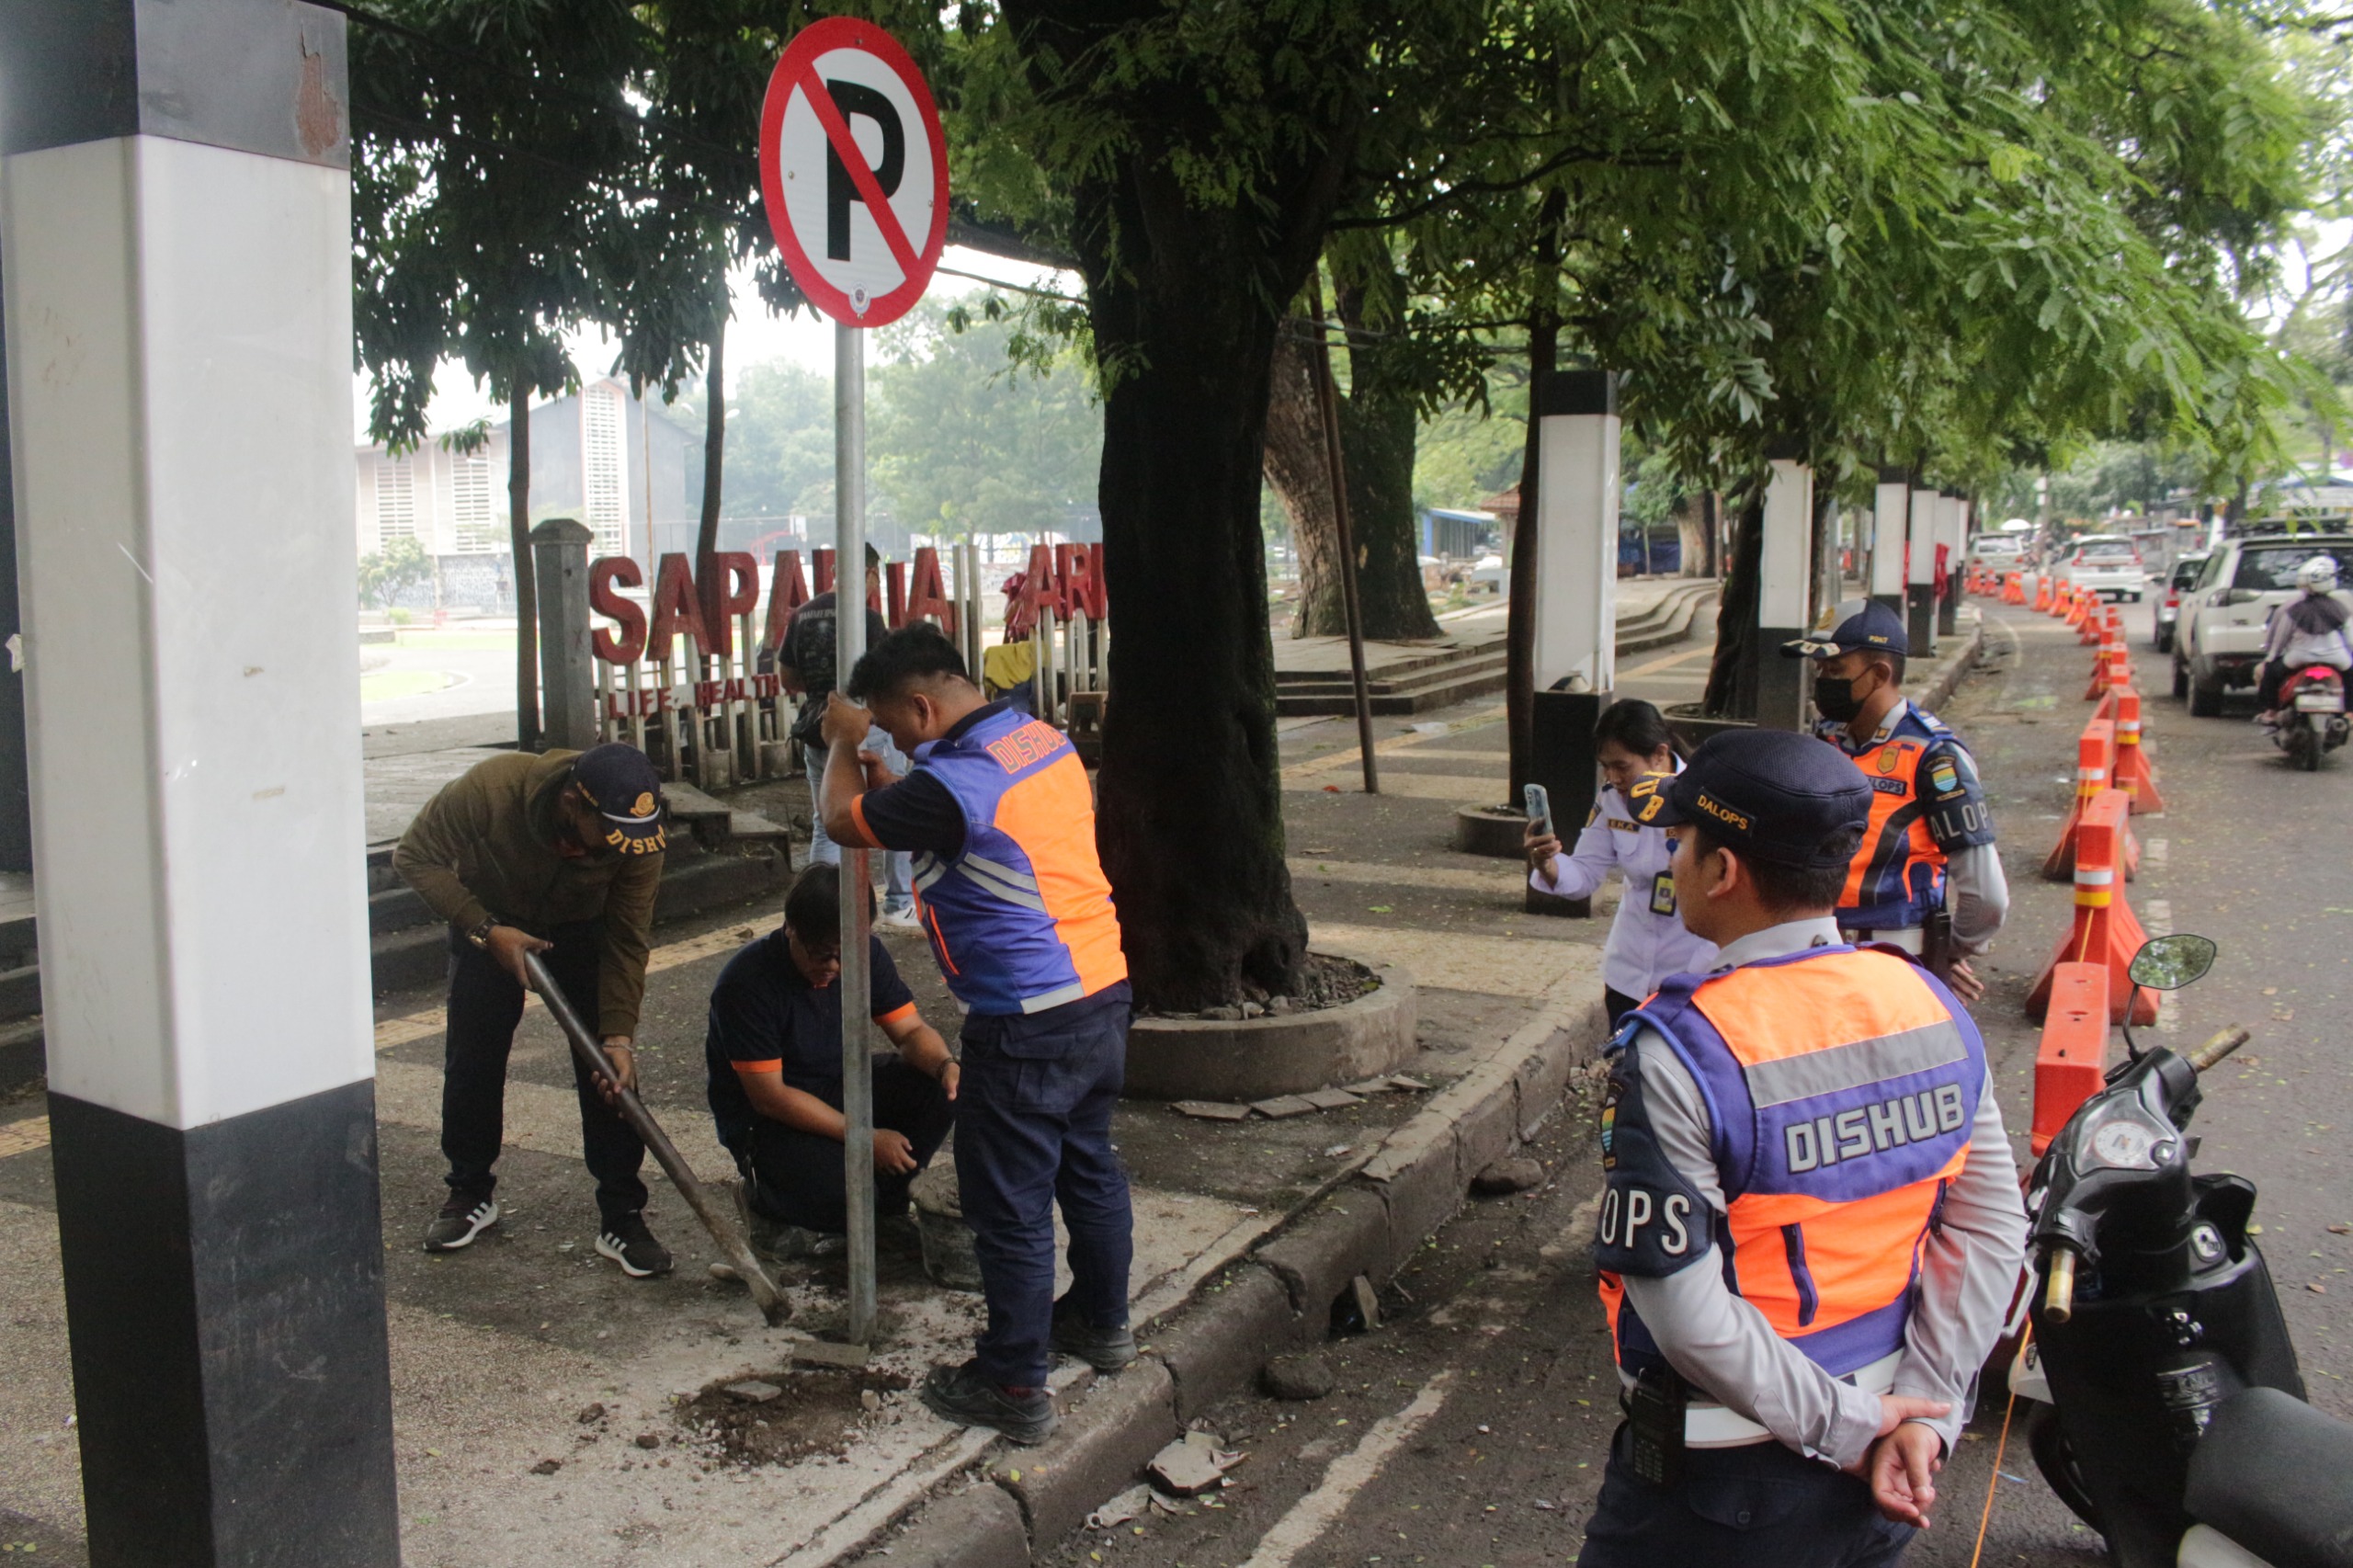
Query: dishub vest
point(1841, 1086)
point(1022, 919)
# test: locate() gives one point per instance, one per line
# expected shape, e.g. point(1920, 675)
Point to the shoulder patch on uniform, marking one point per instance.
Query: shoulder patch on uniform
point(1652, 1221)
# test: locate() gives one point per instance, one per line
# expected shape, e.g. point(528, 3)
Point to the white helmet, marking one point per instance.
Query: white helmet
point(2317, 576)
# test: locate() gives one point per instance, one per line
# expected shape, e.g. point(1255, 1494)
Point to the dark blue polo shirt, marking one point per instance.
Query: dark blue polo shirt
point(766, 1018)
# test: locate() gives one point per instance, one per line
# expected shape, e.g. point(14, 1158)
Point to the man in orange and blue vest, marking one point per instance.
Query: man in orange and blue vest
point(1810, 1223)
point(1927, 876)
point(1001, 817)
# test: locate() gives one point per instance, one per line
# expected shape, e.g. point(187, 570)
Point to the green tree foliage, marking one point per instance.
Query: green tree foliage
point(779, 440)
point(965, 440)
point(401, 563)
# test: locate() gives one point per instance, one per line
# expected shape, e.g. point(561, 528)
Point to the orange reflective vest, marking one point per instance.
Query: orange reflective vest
point(1841, 1086)
point(1897, 879)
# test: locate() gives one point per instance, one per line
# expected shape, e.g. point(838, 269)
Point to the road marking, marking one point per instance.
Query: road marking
point(1669, 662)
point(1506, 883)
point(1452, 787)
point(1352, 755)
point(24, 1137)
point(409, 1026)
point(1321, 1510)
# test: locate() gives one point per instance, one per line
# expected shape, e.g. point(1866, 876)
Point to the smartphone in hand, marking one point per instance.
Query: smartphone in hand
point(1540, 808)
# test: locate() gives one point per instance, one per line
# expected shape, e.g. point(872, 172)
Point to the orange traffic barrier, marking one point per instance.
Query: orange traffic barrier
point(2088, 625)
point(2101, 666)
point(2013, 588)
point(2105, 932)
point(2134, 773)
point(2095, 760)
point(2063, 600)
point(2042, 591)
point(2071, 1061)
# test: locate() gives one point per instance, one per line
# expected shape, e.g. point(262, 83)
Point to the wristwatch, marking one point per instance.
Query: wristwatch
point(479, 934)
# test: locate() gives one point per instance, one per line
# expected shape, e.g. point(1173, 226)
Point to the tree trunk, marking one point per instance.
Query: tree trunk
point(526, 591)
point(714, 452)
point(1189, 804)
point(1377, 428)
point(1519, 615)
point(1519, 624)
point(714, 456)
point(1731, 676)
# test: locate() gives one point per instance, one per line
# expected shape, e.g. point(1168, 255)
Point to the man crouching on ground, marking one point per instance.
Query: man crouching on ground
point(775, 1055)
point(1001, 817)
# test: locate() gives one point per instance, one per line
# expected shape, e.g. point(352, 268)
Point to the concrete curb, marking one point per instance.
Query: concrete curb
point(1277, 1299)
point(1256, 1059)
point(1668, 622)
point(1955, 667)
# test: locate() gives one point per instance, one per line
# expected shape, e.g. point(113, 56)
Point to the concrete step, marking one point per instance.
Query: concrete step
point(692, 884)
point(1438, 688)
point(1340, 685)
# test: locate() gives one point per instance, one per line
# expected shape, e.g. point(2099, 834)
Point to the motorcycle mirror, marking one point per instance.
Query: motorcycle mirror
point(2168, 963)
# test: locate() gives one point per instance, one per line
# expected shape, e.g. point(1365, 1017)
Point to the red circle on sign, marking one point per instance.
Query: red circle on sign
point(795, 73)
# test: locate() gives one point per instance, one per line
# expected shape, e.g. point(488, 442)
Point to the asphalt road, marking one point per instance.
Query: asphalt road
point(1471, 1427)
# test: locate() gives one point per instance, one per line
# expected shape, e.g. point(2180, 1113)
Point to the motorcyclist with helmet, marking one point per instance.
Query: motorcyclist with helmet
point(2308, 630)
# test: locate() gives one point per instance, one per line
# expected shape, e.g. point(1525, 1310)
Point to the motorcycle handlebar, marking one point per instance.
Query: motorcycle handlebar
point(2221, 1046)
point(2059, 1286)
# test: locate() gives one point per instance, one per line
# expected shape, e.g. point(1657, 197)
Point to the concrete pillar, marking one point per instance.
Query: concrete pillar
point(1952, 533)
point(1784, 595)
point(1891, 518)
point(174, 205)
point(567, 666)
point(1919, 576)
point(1576, 597)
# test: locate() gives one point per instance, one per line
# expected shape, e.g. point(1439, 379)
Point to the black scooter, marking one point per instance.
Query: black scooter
point(2175, 1424)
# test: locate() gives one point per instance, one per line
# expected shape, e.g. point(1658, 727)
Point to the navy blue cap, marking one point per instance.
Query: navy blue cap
point(1848, 625)
point(620, 782)
point(1774, 794)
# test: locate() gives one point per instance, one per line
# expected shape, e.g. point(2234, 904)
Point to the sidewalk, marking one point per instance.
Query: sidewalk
point(548, 1410)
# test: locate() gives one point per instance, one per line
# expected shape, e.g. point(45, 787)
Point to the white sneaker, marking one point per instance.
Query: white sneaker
point(899, 920)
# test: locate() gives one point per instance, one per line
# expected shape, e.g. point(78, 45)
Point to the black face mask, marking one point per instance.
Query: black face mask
point(1836, 700)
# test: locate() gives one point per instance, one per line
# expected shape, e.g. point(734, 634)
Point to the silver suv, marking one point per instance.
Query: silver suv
point(2226, 613)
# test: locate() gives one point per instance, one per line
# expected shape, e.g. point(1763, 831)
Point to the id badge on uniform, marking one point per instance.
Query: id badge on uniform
point(1663, 894)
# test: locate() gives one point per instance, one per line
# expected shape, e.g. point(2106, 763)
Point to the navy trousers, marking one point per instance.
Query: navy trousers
point(800, 1179)
point(1760, 1506)
point(1033, 1128)
point(485, 1003)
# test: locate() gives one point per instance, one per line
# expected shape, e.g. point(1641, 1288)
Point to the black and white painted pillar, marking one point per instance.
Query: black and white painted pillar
point(175, 204)
point(1785, 595)
point(1891, 518)
point(1576, 597)
point(1952, 530)
point(1920, 572)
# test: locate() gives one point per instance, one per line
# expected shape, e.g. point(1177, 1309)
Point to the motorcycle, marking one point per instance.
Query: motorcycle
point(2170, 1412)
point(2310, 716)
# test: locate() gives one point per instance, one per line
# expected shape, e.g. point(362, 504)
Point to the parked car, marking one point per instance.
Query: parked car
point(2186, 569)
point(2108, 564)
point(2226, 614)
point(2000, 550)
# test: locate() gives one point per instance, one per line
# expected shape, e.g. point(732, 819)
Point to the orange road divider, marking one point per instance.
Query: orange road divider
point(2085, 619)
point(2042, 592)
point(2105, 932)
point(2095, 760)
point(2071, 1061)
point(2134, 773)
point(2063, 601)
point(2014, 589)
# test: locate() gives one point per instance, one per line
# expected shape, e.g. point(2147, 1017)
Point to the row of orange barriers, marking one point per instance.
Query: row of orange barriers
point(2086, 988)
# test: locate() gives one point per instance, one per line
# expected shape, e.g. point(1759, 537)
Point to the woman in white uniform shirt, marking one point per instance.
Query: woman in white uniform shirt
point(1647, 941)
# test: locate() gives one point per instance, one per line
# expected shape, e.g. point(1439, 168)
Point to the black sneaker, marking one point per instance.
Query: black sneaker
point(962, 1395)
point(463, 1217)
point(627, 1242)
point(774, 1240)
point(1105, 1349)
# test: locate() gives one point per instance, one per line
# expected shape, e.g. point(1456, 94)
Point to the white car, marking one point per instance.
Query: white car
point(1997, 550)
point(2108, 564)
point(2226, 614)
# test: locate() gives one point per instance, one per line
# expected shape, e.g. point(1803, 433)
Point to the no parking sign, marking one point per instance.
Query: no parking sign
point(854, 170)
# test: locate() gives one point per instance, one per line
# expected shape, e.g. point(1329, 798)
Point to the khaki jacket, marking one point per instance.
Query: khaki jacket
point(486, 845)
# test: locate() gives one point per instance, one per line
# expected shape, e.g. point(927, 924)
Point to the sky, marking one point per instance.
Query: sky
point(754, 337)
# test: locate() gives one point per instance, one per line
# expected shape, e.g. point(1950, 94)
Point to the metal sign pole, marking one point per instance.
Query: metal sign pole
point(849, 642)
